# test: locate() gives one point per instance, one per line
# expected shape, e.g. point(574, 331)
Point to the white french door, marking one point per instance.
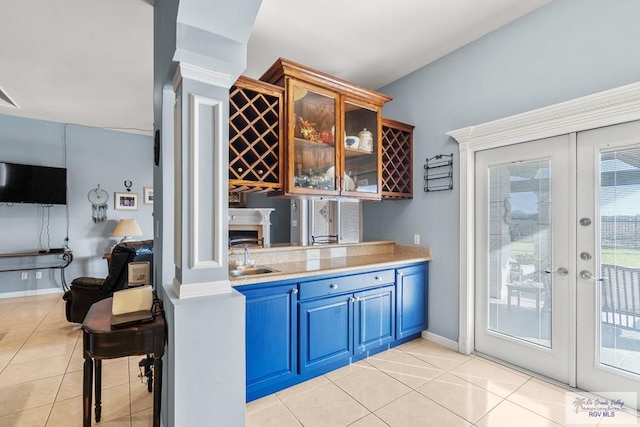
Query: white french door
point(557, 287)
point(608, 262)
point(523, 204)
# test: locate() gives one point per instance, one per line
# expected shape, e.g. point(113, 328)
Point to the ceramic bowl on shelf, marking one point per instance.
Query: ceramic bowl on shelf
point(349, 183)
point(352, 141)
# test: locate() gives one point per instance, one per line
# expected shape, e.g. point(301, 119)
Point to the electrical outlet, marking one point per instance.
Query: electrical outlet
point(24, 275)
point(38, 275)
point(416, 239)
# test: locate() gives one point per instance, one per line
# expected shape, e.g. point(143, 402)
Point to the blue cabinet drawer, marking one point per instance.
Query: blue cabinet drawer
point(344, 284)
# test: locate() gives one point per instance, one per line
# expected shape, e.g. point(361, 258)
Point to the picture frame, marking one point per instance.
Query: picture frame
point(126, 201)
point(147, 197)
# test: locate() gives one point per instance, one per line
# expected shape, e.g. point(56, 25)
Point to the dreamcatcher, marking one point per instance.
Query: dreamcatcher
point(98, 199)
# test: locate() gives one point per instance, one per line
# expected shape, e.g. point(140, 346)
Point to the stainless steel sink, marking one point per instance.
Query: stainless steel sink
point(251, 271)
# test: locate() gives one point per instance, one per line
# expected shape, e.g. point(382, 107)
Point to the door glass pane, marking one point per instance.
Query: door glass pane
point(314, 139)
point(620, 259)
point(519, 296)
point(360, 149)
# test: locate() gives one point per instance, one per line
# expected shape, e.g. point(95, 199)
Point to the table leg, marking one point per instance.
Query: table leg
point(98, 368)
point(157, 391)
point(86, 391)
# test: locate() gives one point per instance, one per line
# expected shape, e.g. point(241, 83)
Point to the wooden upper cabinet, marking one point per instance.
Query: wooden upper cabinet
point(332, 142)
point(397, 160)
point(256, 112)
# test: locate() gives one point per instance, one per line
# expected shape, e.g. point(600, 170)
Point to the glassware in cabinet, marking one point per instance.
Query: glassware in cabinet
point(313, 149)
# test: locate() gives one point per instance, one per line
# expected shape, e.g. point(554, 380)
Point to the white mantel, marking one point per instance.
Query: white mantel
point(252, 219)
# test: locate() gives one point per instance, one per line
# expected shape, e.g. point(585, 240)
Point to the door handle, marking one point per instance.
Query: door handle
point(585, 274)
point(560, 271)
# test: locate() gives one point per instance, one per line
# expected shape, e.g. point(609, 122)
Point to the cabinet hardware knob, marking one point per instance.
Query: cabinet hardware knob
point(239, 169)
point(294, 291)
point(378, 278)
point(260, 171)
point(400, 274)
point(333, 286)
point(352, 299)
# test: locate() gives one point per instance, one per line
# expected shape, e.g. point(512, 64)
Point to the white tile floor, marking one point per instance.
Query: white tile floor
point(417, 384)
point(41, 371)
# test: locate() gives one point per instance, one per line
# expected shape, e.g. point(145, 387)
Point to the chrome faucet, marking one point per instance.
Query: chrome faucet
point(246, 255)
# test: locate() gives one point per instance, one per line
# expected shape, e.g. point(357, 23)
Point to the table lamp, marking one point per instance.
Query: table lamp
point(127, 228)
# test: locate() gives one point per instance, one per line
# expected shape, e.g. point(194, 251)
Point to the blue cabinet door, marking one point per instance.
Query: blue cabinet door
point(271, 337)
point(411, 283)
point(374, 322)
point(325, 332)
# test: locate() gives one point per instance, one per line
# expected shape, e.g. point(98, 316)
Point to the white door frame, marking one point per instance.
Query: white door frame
point(606, 108)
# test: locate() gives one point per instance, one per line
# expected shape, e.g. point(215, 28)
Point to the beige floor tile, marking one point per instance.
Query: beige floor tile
point(28, 395)
point(437, 355)
point(347, 370)
point(495, 378)
point(34, 370)
point(272, 416)
point(302, 388)
point(22, 316)
point(36, 417)
point(54, 336)
point(542, 398)
point(406, 368)
point(77, 358)
point(71, 386)
point(461, 397)
point(413, 409)
point(115, 402)
point(68, 413)
point(508, 414)
point(408, 345)
point(325, 406)
point(370, 420)
point(13, 338)
point(30, 352)
point(142, 418)
point(262, 403)
point(124, 421)
point(372, 388)
point(140, 397)
point(114, 374)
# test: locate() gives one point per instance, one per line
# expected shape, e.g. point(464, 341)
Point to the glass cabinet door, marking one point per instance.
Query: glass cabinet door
point(361, 139)
point(314, 148)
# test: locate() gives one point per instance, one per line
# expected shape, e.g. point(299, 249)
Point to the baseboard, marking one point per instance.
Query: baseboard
point(445, 342)
point(30, 293)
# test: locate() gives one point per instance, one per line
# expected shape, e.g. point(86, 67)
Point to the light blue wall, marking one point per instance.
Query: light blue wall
point(567, 49)
point(92, 156)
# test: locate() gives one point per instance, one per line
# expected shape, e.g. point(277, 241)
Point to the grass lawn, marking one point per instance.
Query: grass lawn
point(623, 257)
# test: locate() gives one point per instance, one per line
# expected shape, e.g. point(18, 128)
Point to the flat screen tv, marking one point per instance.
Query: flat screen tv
point(32, 184)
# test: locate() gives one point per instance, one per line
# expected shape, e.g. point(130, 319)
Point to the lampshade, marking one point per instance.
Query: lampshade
point(127, 228)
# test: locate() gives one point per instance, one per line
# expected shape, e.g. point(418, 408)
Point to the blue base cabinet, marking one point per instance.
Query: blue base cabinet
point(374, 319)
point(299, 329)
point(326, 335)
point(271, 337)
point(411, 284)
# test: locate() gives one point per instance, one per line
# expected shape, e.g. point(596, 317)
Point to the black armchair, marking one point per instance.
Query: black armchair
point(85, 291)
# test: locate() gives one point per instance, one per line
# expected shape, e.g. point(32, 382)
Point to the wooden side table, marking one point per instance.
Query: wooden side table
point(100, 341)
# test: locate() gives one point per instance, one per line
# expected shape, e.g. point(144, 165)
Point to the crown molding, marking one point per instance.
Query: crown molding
point(192, 72)
point(605, 108)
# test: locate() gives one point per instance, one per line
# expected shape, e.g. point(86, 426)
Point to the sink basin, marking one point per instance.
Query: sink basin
point(252, 271)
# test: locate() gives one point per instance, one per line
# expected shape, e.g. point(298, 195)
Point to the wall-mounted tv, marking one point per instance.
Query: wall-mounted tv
point(32, 184)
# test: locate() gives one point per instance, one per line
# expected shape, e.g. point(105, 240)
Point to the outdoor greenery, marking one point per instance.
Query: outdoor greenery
point(524, 252)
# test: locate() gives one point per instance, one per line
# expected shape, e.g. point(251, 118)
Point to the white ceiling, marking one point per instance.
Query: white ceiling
point(90, 62)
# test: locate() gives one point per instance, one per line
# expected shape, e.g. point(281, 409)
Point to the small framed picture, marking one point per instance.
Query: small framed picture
point(148, 195)
point(126, 201)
